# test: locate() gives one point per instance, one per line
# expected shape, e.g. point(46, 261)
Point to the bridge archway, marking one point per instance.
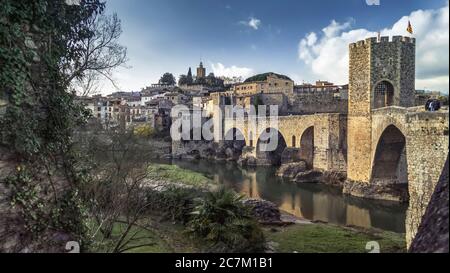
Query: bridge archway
point(235, 139)
point(390, 164)
point(270, 147)
point(383, 94)
point(307, 147)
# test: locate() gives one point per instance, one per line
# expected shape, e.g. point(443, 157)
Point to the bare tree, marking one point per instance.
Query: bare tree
point(89, 85)
point(101, 54)
point(118, 190)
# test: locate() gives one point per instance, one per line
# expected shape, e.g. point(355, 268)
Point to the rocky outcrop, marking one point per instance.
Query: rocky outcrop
point(433, 233)
point(392, 192)
point(310, 176)
point(290, 170)
point(264, 211)
point(298, 172)
point(247, 157)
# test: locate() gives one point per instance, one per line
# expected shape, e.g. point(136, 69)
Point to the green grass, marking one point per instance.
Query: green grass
point(143, 241)
point(175, 174)
point(321, 238)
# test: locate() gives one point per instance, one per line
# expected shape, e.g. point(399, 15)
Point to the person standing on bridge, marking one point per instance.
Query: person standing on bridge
point(436, 104)
point(428, 104)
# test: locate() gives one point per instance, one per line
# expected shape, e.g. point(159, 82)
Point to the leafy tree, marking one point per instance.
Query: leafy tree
point(145, 131)
point(189, 77)
point(183, 80)
point(167, 79)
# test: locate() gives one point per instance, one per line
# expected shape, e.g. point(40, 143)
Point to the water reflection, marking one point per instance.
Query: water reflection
point(309, 201)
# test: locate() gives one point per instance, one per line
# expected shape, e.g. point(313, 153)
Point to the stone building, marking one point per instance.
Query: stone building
point(319, 86)
point(266, 83)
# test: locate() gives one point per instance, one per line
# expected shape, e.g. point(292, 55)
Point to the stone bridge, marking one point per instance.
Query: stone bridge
point(319, 138)
point(408, 147)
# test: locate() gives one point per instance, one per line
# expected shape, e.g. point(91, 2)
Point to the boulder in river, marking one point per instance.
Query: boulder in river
point(291, 170)
point(311, 176)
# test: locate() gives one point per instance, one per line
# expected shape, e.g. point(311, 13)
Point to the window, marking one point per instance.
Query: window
point(391, 61)
point(294, 141)
point(383, 95)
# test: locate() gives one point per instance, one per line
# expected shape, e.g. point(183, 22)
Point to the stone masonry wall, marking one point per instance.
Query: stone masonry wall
point(427, 150)
point(317, 102)
point(359, 120)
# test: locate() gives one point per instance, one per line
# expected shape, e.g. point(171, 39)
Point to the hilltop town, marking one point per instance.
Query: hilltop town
point(152, 105)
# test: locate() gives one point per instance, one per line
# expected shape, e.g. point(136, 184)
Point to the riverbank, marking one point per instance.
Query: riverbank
point(169, 237)
point(161, 235)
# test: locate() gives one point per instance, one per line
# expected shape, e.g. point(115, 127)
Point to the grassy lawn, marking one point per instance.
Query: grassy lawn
point(175, 174)
point(163, 237)
point(321, 238)
point(167, 237)
point(144, 240)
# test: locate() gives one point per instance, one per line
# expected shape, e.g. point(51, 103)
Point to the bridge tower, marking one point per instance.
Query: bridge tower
point(381, 74)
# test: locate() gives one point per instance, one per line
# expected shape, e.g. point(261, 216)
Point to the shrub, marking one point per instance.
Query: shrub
point(226, 223)
point(144, 131)
point(173, 203)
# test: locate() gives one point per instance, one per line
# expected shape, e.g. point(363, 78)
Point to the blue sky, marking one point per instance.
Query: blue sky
point(296, 38)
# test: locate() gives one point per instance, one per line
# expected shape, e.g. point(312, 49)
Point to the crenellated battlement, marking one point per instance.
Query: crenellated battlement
point(383, 40)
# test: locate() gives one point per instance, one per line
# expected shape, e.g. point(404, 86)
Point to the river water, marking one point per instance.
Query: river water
point(309, 201)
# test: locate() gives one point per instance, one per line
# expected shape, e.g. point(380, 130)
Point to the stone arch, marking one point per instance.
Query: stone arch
point(390, 164)
point(383, 94)
point(270, 146)
point(307, 146)
point(234, 142)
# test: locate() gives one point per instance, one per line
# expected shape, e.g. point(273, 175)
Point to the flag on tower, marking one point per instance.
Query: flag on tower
point(409, 29)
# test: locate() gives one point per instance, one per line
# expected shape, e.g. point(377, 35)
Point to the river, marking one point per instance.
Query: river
point(314, 202)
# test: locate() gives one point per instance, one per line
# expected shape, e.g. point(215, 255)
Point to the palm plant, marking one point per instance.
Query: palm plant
point(222, 219)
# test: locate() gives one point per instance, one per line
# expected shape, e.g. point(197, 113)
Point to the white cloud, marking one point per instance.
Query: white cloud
point(252, 23)
point(326, 53)
point(232, 71)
